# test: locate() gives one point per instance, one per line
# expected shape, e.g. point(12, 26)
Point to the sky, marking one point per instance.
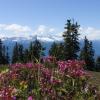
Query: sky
point(29, 17)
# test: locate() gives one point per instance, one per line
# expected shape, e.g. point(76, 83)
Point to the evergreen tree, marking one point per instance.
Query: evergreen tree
point(36, 50)
point(15, 53)
point(7, 56)
point(20, 53)
point(61, 55)
point(1, 55)
point(71, 41)
point(57, 50)
point(98, 64)
point(87, 54)
point(4, 60)
point(26, 56)
point(31, 55)
point(53, 50)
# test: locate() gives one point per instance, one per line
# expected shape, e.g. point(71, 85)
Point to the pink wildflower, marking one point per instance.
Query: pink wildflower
point(30, 98)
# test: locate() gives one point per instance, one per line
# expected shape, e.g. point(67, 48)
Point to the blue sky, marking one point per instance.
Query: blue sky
point(49, 13)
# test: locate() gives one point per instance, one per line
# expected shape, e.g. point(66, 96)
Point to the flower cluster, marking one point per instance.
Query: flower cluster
point(49, 59)
point(33, 81)
point(72, 67)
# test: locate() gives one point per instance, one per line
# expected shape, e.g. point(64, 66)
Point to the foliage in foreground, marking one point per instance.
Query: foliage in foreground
point(49, 80)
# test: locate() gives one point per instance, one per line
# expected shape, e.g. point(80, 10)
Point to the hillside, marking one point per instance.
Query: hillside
point(95, 78)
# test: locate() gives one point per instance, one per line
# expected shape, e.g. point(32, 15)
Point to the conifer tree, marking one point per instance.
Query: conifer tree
point(98, 63)
point(4, 59)
point(20, 53)
point(1, 55)
point(7, 56)
point(15, 53)
point(36, 50)
point(26, 56)
point(71, 40)
point(61, 55)
point(87, 54)
point(57, 50)
point(30, 52)
point(53, 50)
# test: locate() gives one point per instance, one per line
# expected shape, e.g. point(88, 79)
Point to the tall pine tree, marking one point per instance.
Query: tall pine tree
point(4, 57)
point(71, 40)
point(87, 54)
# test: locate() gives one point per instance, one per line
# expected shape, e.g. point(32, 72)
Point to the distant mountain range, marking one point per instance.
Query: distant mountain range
point(46, 41)
point(10, 42)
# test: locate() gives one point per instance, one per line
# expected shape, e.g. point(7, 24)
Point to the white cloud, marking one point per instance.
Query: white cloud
point(1, 35)
point(46, 33)
point(90, 32)
point(41, 29)
point(43, 32)
point(15, 28)
point(51, 30)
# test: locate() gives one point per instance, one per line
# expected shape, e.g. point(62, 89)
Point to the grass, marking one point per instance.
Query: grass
point(95, 78)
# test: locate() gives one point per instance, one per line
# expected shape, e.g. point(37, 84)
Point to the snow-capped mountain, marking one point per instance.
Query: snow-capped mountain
point(46, 38)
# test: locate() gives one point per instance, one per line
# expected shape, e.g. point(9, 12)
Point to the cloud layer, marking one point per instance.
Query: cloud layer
point(15, 28)
point(43, 32)
point(90, 32)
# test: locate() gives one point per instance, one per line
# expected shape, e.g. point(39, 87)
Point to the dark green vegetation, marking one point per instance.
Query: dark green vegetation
point(4, 57)
point(87, 54)
point(33, 53)
point(71, 40)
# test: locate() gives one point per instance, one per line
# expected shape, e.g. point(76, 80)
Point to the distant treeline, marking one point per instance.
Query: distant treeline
point(67, 50)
